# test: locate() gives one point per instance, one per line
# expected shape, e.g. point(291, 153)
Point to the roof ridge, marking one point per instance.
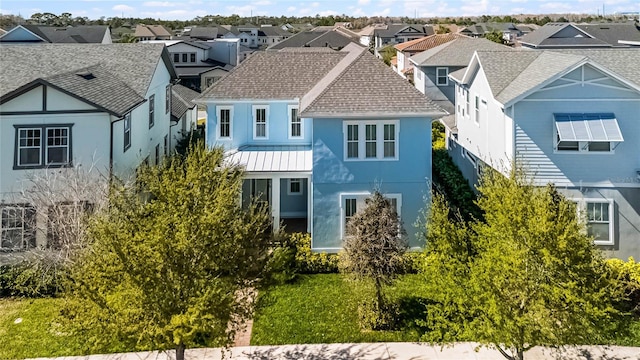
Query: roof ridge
point(354, 53)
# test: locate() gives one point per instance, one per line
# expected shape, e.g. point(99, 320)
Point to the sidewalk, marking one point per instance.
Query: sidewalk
point(376, 351)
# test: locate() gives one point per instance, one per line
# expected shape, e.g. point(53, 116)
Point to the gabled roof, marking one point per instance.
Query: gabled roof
point(182, 100)
point(512, 74)
point(393, 30)
point(274, 31)
point(80, 34)
point(143, 30)
point(612, 33)
point(592, 35)
point(457, 52)
point(198, 44)
point(130, 66)
point(427, 42)
point(333, 38)
point(483, 28)
point(347, 83)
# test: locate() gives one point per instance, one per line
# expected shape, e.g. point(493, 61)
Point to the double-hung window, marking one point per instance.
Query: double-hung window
point(350, 204)
point(442, 76)
point(184, 57)
point(477, 112)
point(295, 122)
point(599, 221)
point(224, 121)
point(176, 58)
point(40, 146)
point(466, 96)
point(192, 57)
point(127, 131)
point(167, 99)
point(17, 227)
point(152, 107)
point(371, 139)
point(260, 122)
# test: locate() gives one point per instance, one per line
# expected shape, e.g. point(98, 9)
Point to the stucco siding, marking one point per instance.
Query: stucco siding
point(29, 101)
point(332, 176)
point(57, 100)
point(293, 205)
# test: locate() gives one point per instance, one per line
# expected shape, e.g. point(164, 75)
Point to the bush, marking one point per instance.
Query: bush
point(628, 274)
point(309, 262)
point(373, 315)
point(281, 266)
point(449, 181)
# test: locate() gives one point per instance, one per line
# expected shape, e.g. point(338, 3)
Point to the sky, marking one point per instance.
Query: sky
point(189, 9)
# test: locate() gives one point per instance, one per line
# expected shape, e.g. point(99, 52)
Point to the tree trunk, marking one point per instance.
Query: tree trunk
point(180, 351)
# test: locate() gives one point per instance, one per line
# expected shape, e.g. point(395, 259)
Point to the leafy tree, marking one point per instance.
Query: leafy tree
point(527, 276)
point(127, 38)
point(442, 30)
point(373, 249)
point(495, 36)
point(173, 258)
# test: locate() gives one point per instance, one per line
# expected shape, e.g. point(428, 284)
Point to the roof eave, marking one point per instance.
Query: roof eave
point(372, 114)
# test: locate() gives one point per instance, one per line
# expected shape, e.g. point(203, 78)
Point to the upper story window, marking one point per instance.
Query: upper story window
point(442, 76)
point(167, 99)
point(192, 57)
point(183, 58)
point(295, 122)
point(477, 110)
point(466, 96)
point(152, 106)
point(586, 133)
point(127, 132)
point(371, 140)
point(260, 122)
point(17, 224)
point(224, 121)
point(42, 146)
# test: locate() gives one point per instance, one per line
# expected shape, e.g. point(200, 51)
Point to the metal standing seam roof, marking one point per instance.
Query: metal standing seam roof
point(289, 158)
point(587, 127)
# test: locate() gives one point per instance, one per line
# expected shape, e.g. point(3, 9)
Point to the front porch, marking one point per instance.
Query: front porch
point(279, 177)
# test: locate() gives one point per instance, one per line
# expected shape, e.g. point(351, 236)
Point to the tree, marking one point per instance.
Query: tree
point(443, 30)
point(374, 247)
point(528, 275)
point(495, 36)
point(127, 38)
point(173, 258)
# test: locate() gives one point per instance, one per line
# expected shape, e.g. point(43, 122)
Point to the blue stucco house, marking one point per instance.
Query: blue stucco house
point(317, 130)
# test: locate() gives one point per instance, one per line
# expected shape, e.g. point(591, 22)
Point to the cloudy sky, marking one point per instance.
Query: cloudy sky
point(188, 9)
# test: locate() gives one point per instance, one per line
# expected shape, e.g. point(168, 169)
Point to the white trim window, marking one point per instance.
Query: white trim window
point(371, 140)
point(442, 76)
point(350, 203)
point(467, 100)
point(152, 107)
point(295, 187)
point(260, 122)
point(599, 213)
point(477, 110)
point(16, 227)
point(295, 123)
point(29, 147)
point(224, 130)
point(127, 132)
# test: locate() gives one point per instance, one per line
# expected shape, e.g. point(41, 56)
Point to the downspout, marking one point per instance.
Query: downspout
point(111, 147)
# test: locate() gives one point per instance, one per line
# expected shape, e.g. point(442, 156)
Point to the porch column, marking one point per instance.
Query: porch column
point(275, 202)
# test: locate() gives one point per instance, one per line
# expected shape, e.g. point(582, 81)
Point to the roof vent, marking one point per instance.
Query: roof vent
point(86, 75)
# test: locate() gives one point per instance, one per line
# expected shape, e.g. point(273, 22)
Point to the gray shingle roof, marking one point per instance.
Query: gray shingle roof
point(596, 35)
point(455, 53)
point(332, 39)
point(538, 36)
point(612, 32)
point(131, 64)
point(182, 100)
point(298, 40)
point(72, 34)
point(367, 87)
point(257, 77)
point(513, 74)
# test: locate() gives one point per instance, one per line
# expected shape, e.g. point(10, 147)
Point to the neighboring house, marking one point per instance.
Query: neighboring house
point(366, 33)
point(294, 28)
point(406, 50)
point(334, 38)
point(570, 118)
point(318, 131)
point(2, 31)
point(271, 35)
point(510, 31)
point(203, 33)
point(198, 64)
point(101, 106)
point(580, 36)
point(248, 35)
point(151, 32)
point(81, 34)
point(433, 66)
point(184, 113)
point(399, 33)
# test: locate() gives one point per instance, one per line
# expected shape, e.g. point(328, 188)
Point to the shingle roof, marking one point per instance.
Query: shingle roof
point(297, 73)
point(350, 82)
point(274, 31)
point(297, 40)
point(595, 35)
point(512, 74)
point(182, 100)
point(72, 34)
point(457, 52)
point(332, 39)
point(427, 42)
point(612, 32)
point(367, 87)
point(393, 29)
point(143, 30)
point(130, 64)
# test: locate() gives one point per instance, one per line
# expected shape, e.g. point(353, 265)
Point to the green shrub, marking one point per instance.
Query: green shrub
point(40, 274)
point(628, 274)
point(375, 316)
point(310, 262)
point(449, 181)
point(281, 267)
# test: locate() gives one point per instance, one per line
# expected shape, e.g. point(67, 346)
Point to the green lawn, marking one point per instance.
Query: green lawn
point(38, 334)
point(323, 309)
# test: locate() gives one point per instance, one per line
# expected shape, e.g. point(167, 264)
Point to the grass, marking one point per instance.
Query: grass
point(38, 334)
point(323, 309)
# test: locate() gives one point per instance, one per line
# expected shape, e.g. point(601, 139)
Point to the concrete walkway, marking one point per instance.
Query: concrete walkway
point(376, 351)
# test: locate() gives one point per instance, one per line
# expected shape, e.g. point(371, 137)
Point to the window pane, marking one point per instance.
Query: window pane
point(568, 145)
point(599, 146)
point(176, 57)
point(184, 57)
point(389, 132)
point(29, 156)
point(352, 150)
point(11, 239)
point(57, 155)
point(352, 132)
point(193, 58)
point(389, 149)
point(370, 141)
point(260, 130)
point(599, 231)
point(296, 130)
point(370, 132)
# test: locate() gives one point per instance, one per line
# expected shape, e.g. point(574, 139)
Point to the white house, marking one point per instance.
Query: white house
point(570, 118)
point(106, 106)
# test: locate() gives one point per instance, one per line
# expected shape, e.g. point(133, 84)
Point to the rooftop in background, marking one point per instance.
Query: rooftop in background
point(571, 35)
point(181, 100)
point(427, 42)
point(80, 34)
point(457, 52)
point(154, 32)
point(334, 38)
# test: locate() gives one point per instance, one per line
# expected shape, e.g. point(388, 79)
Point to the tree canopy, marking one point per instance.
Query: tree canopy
point(528, 275)
point(173, 257)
